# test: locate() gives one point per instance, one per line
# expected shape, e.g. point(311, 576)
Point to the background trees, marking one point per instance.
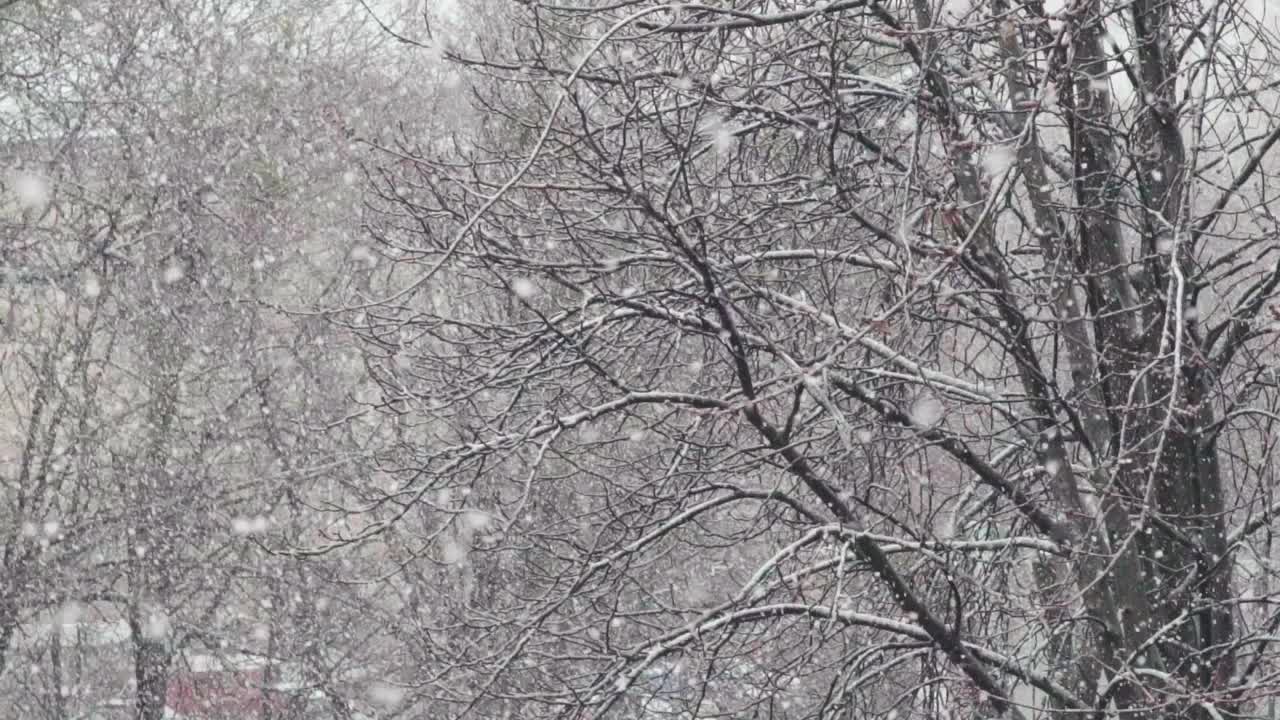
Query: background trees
point(861, 357)
point(175, 173)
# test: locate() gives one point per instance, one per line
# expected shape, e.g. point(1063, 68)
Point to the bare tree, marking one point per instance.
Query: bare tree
point(828, 360)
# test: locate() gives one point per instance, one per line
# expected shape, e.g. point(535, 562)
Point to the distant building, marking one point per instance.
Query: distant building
point(89, 661)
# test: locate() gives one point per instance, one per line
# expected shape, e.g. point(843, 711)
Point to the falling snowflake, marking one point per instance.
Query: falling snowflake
point(926, 411)
point(157, 626)
point(173, 273)
point(722, 133)
point(453, 552)
point(386, 695)
point(364, 256)
point(92, 286)
point(249, 525)
point(523, 287)
point(31, 191)
point(997, 161)
point(475, 520)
